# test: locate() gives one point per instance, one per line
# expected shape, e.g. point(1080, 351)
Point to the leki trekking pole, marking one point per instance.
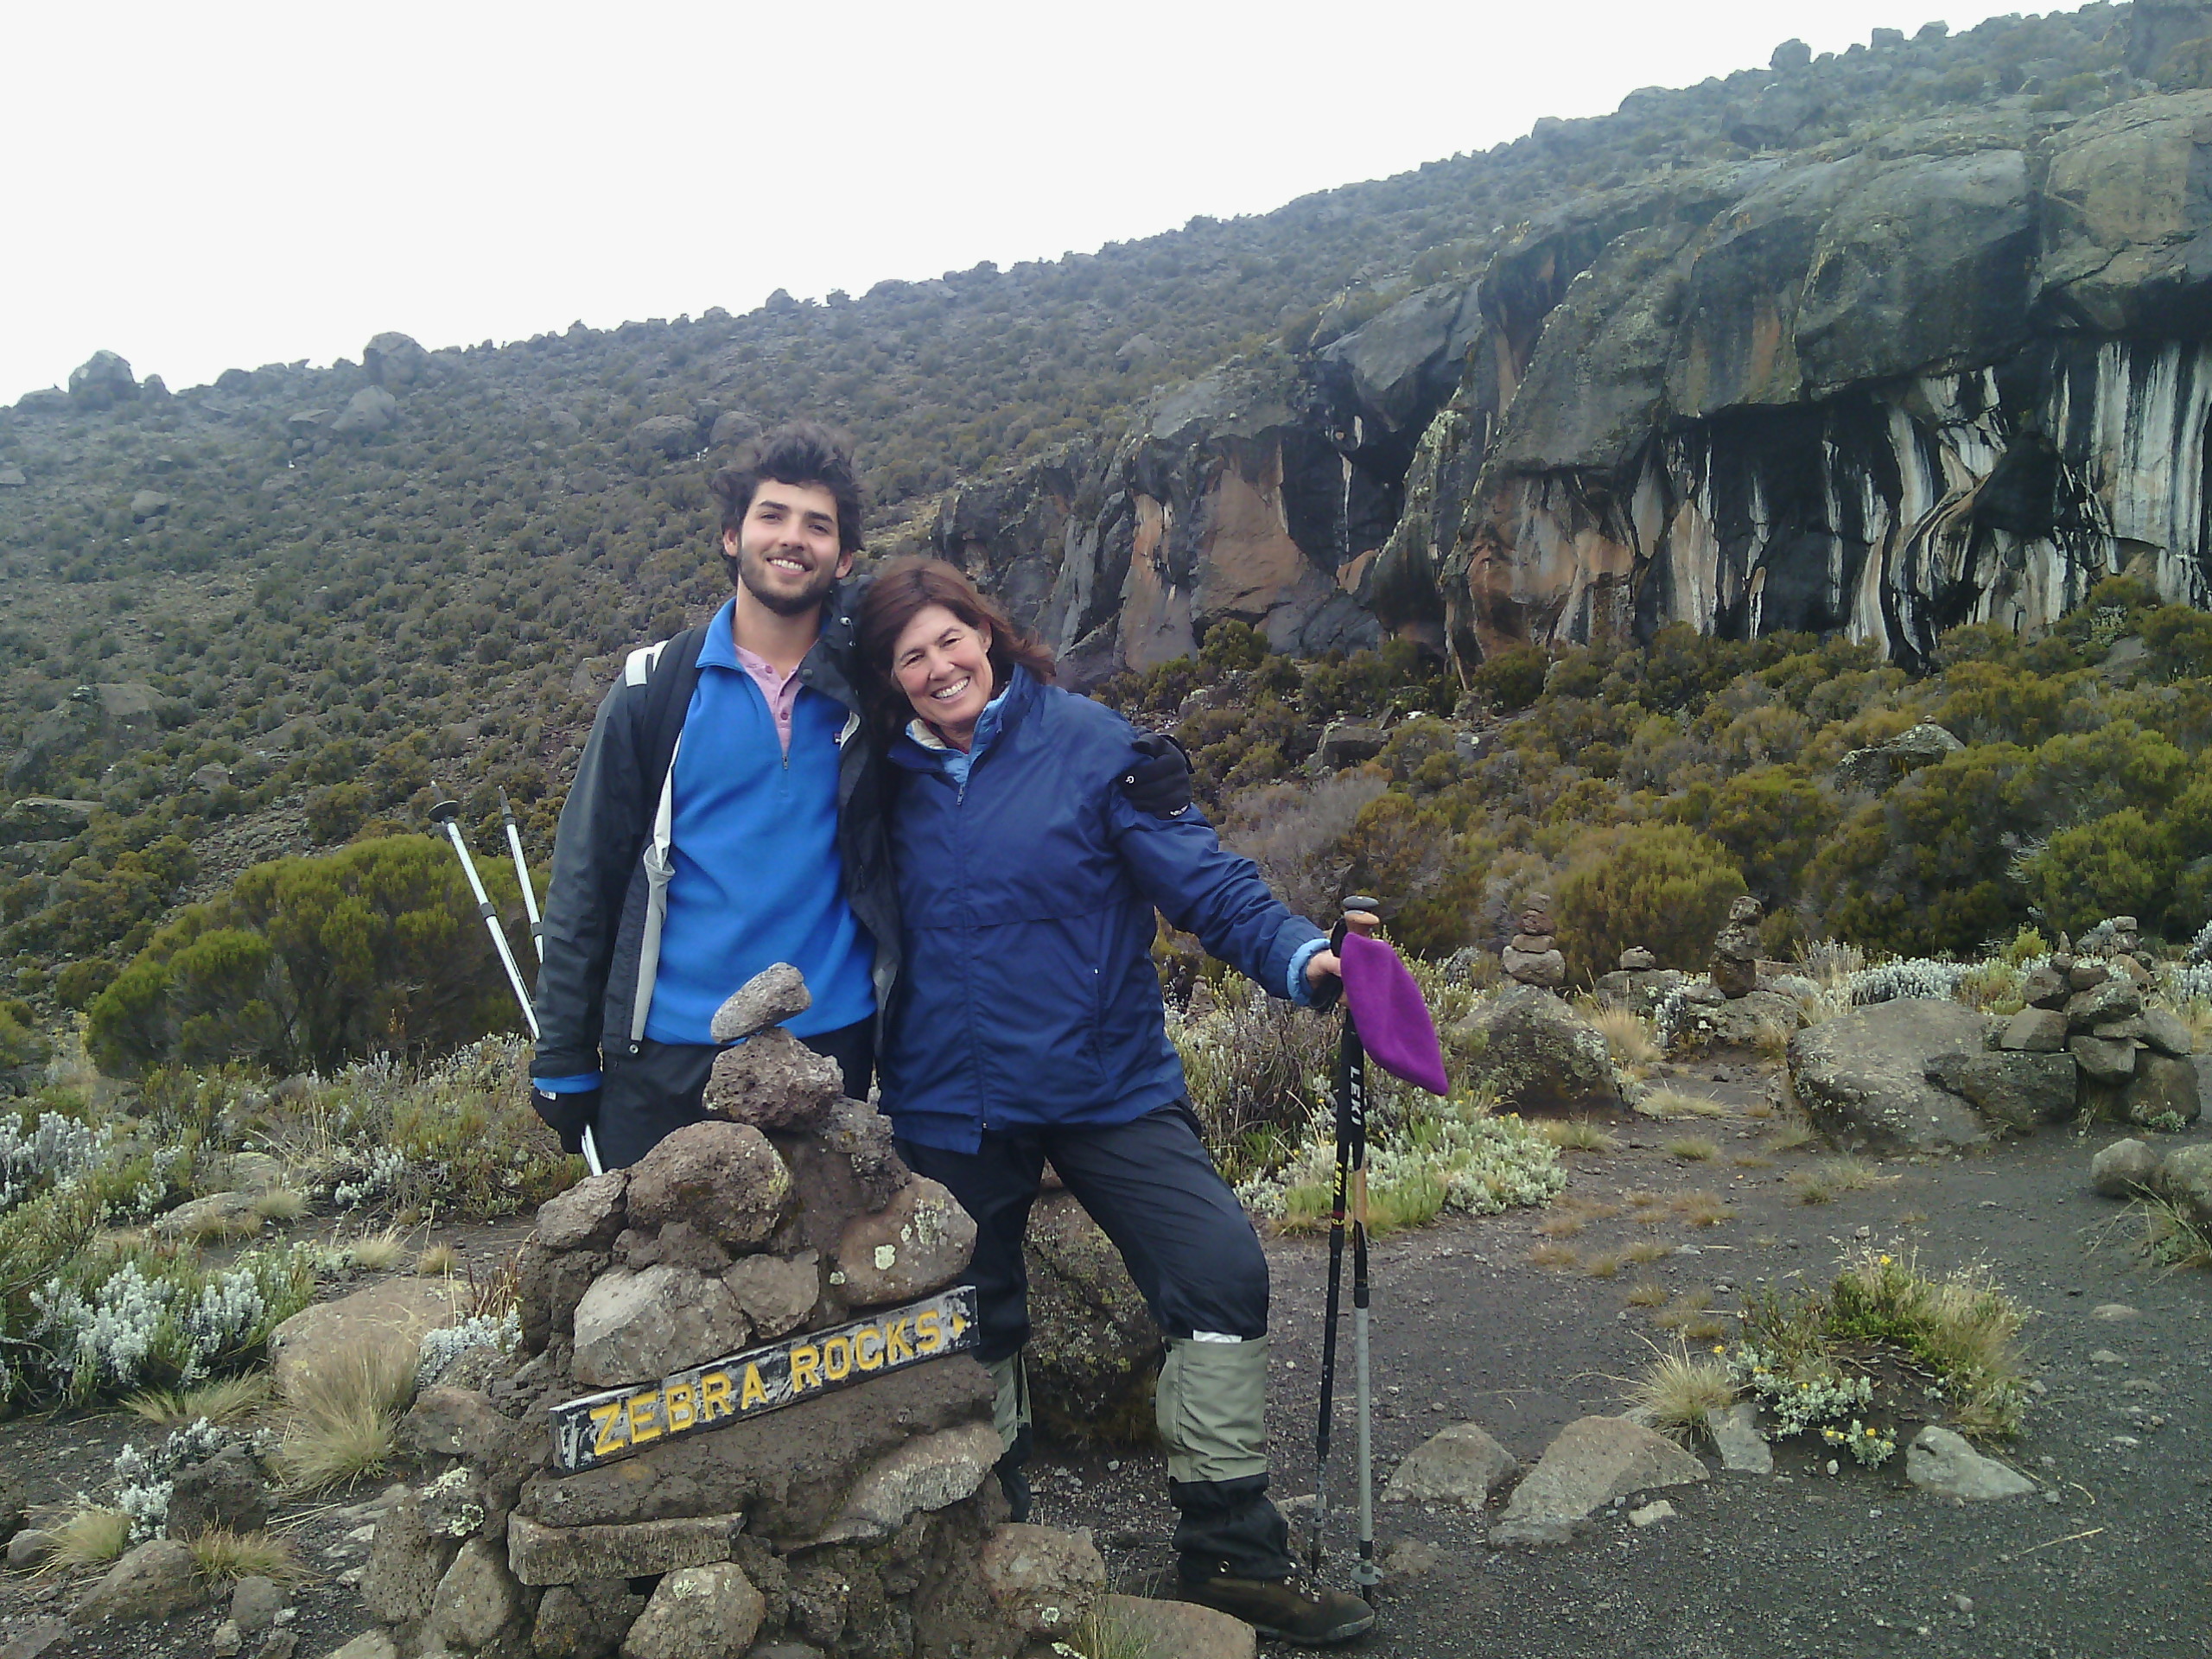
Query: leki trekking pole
point(522, 874)
point(447, 814)
point(1349, 1195)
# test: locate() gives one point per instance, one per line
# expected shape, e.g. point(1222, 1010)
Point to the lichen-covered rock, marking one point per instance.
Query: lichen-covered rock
point(1540, 1054)
point(477, 1597)
point(2123, 1169)
point(405, 1562)
point(698, 1612)
point(2019, 1091)
point(2184, 1178)
point(920, 1241)
point(1751, 1020)
point(1093, 1347)
point(1044, 1580)
point(724, 1179)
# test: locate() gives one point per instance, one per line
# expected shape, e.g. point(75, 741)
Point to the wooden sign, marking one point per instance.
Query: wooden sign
point(599, 1426)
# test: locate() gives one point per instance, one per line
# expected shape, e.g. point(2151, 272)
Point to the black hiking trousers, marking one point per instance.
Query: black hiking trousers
point(1152, 1188)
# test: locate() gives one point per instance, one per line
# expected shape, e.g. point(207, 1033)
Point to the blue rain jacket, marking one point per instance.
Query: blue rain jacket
point(1027, 996)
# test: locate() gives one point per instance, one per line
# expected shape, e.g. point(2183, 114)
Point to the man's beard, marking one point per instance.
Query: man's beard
point(807, 599)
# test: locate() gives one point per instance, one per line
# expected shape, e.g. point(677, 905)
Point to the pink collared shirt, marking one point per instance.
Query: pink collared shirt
point(780, 690)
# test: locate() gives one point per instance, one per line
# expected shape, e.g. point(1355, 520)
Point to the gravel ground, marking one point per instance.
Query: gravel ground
point(1467, 1328)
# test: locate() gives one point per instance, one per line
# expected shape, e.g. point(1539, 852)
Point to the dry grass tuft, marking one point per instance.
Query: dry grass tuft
point(1645, 1251)
point(90, 1537)
point(1675, 1102)
point(1706, 1328)
point(1629, 1035)
point(341, 1427)
point(1770, 1040)
point(1560, 1226)
point(1646, 1293)
point(1761, 1110)
point(1789, 1134)
point(226, 1400)
point(1578, 1135)
point(1604, 1264)
point(225, 1557)
point(377, 1252)
point(1751, 1160)
point(1552, 1256)
point(280, 1204)
point(1831, 1178)
point(1680, 1390)
point(1104, 1634)
point(1703, 1209)
point(437, 1262)
point(2172, 1235)
point(1694, 1149)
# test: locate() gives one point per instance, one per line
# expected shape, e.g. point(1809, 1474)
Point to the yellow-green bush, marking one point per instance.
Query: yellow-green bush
point(1661, 885)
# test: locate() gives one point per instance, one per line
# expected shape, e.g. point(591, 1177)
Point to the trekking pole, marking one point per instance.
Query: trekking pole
point(522, 874)
point(1350, 1192)
point(447, 814)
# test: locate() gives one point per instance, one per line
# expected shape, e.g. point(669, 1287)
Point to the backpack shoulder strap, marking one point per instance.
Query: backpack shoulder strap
point(668, 671)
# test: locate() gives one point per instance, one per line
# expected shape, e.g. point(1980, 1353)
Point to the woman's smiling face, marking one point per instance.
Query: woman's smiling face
point(944, 667)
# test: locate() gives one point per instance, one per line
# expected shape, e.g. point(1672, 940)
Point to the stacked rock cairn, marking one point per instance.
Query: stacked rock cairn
point(2132, 1060)
point(1532, 956)
point(1736, 949)
point(859, 1520)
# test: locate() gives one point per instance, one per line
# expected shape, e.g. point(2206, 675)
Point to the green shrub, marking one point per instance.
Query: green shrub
point(309, 961)
point(1661, 885)
point(1512, 679)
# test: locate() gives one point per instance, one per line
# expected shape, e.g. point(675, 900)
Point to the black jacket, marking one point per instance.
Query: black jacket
point(589, 1003)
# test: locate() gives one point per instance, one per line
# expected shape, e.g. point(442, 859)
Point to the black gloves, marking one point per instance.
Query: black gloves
point(567, 1115)
point(1159, 782)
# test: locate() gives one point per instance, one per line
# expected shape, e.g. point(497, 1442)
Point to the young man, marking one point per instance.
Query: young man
point(724, 817)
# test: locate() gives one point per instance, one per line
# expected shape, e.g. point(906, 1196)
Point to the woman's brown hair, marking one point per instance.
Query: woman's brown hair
point(905, 588)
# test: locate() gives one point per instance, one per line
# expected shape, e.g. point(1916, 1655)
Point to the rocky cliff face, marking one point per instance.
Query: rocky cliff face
point(1931, 373)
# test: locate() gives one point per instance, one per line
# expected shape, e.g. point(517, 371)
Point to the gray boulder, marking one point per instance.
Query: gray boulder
point(2163, 1092)
point(1458, 1464)
point(918, 1243)
point(368, 411)
point(2123, 1169)
point(148, 504)
point(633, 1327)
point(1396, 369)
point(587, 1216)
point(1736, 1022)
point(2184, 1178)
point(155, 1580)
point(395, 360)
point(1878, 767)
point(2018, 1090)
point(1593, 1461)
point(2121, 211)
point(672, 435)
point(1541, 1054)
point(224, 1491)
point(102, 381)
point(2168, 1032)
point(2035, 1030)
point(1939, 1463)
point(1862, 1076)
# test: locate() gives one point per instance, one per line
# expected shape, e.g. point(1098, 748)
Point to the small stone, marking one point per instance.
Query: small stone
point(2114, 1312)
point(775, 1292)
point(632, 1328)
point(1744, 1450)
point(1637, 960)
point(1044, 1582)
point(373, 1645)
point(2105, 1357)
point(225, 1490)
point(774, 995)
point(278, 1644)
point(228, 1640)
point(28, 1547)
point(585, 1217)
point(219, 1215)
point(1591, 1462)
point(155, 1580)
point(255, 1603)
point(1409, 1558)
point(540, 1555)
point(927, 1473)
point(2087, 976)
point(698, 1612)
point(2035, 1030)
point(724, 1179)
point(2168, 1032)
point(1942, 1465)
point(775, 1081)
point(478, 1597)
point(2103, 1062)
point(449, 1422)
point(1183, 1629)
point(1651, 1513)
point(1459, 1464)
point(920, 1241)
point(2123, 1168)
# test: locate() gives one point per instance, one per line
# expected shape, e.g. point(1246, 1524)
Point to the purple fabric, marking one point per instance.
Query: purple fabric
point(1394, 1023)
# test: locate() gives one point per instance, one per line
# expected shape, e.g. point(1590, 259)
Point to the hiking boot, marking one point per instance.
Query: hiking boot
point(1278, 1608)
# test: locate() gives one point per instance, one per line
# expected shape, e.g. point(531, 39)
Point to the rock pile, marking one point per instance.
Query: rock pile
point(1532, 956)
point(677, 1510)
point(1736, 949)
point(2087, 1041)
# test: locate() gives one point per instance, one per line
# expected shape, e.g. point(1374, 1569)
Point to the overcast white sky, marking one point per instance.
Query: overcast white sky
point(238, 182)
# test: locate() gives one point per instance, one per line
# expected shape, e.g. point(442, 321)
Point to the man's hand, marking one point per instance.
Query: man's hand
point(567, 1115)
point(1159, 782)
